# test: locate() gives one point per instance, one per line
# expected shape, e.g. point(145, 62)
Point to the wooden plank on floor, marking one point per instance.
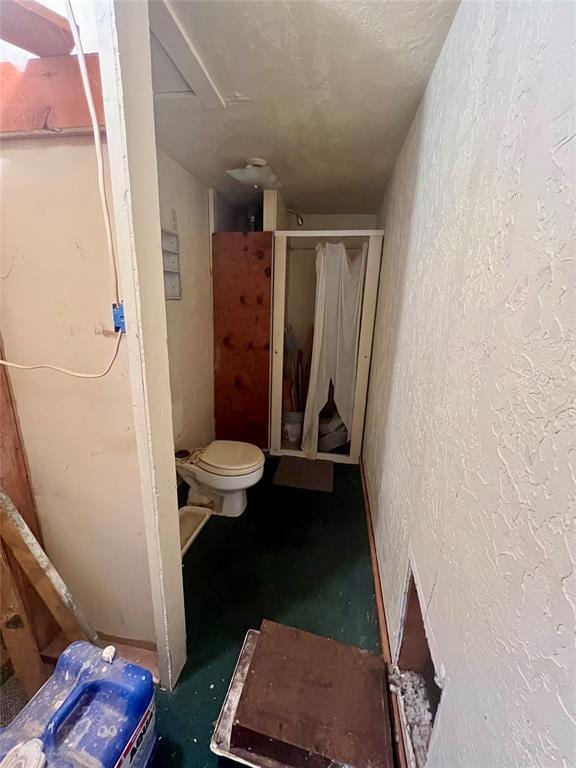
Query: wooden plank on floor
point(35, 28)
point(311, 701)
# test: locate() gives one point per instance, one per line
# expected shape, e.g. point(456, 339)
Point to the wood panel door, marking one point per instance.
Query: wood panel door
point(242, 285)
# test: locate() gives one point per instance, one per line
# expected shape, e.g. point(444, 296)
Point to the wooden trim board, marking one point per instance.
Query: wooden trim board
point(35, 28)
point(397, 724)
point(369, 300)
point(140, 652)
point(278, 310)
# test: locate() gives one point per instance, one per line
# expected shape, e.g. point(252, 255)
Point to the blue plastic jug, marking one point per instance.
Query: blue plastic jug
point(96, 711)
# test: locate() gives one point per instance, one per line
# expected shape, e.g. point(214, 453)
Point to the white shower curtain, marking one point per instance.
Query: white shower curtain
point(339, 288)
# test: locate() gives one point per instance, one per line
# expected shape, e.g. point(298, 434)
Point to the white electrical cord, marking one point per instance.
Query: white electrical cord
point(67, 371)
point(105, 209)
point(97, 142)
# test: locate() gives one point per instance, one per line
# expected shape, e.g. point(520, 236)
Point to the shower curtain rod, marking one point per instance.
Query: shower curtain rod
point(292, 248)
point(329, 233)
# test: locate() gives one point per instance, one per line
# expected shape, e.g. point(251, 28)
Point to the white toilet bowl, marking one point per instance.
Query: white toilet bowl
point(219, 474)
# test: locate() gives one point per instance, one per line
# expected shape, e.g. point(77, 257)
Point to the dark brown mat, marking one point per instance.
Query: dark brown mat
point(306, 474)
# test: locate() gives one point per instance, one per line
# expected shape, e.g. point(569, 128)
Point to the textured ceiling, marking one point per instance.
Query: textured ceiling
point(325, 91)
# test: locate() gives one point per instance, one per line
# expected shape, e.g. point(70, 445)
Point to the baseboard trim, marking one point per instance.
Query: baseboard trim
point(383, 626)
point(112, 639)
point(138, 652)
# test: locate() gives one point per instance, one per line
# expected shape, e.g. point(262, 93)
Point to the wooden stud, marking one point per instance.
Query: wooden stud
point(35, 28)
point(19, 540)
point(15, 481)
point(17, 632)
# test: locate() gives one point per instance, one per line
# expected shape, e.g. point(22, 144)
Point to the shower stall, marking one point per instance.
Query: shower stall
point(325, 286)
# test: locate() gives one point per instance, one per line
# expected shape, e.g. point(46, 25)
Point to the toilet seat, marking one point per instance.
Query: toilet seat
point(229, 458)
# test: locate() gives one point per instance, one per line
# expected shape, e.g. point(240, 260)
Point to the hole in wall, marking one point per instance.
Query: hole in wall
point(418, 691)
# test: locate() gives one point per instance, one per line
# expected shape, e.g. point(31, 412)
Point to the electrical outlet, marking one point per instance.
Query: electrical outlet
point(118, 315)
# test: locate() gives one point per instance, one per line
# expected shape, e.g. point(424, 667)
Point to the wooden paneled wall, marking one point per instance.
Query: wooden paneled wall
point(242, 280)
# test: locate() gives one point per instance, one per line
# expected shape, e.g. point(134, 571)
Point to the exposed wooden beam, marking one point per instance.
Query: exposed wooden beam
point(172, 36)
point(47, 98)
point(20, 542)
point(17, 632)
point(15, 481)
point(35, 28)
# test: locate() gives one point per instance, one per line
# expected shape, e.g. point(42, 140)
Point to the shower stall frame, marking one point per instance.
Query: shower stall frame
point(375, 239)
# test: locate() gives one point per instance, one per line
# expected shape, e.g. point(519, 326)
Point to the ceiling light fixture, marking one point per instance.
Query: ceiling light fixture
point(256, 174)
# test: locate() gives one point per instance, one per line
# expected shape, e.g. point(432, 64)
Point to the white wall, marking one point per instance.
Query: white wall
point(274, 215)
point(189, 320)
point(56, 307)
point(300, 291)
point(469, 443)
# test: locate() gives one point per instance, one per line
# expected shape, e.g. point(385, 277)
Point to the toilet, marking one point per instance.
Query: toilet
point(219, 475)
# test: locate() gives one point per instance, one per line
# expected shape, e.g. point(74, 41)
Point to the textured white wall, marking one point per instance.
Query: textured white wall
point(469, 446)
point(189, 320)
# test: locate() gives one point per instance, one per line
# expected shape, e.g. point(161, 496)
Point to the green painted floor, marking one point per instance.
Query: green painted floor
point(298, 557)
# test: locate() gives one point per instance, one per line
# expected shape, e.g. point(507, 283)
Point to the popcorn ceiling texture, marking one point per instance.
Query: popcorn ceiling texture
point(325, 90)
point(469, 449)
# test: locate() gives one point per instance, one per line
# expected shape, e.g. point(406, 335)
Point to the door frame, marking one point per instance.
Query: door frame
point(369, 299)
point(126, 74)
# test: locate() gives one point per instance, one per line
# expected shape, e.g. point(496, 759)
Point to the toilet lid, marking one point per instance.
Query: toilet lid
point(228, 457)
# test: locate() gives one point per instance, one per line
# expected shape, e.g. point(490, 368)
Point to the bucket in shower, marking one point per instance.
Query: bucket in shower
point(292, 422)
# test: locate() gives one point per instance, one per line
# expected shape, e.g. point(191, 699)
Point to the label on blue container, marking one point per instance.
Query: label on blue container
point(138, 750)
